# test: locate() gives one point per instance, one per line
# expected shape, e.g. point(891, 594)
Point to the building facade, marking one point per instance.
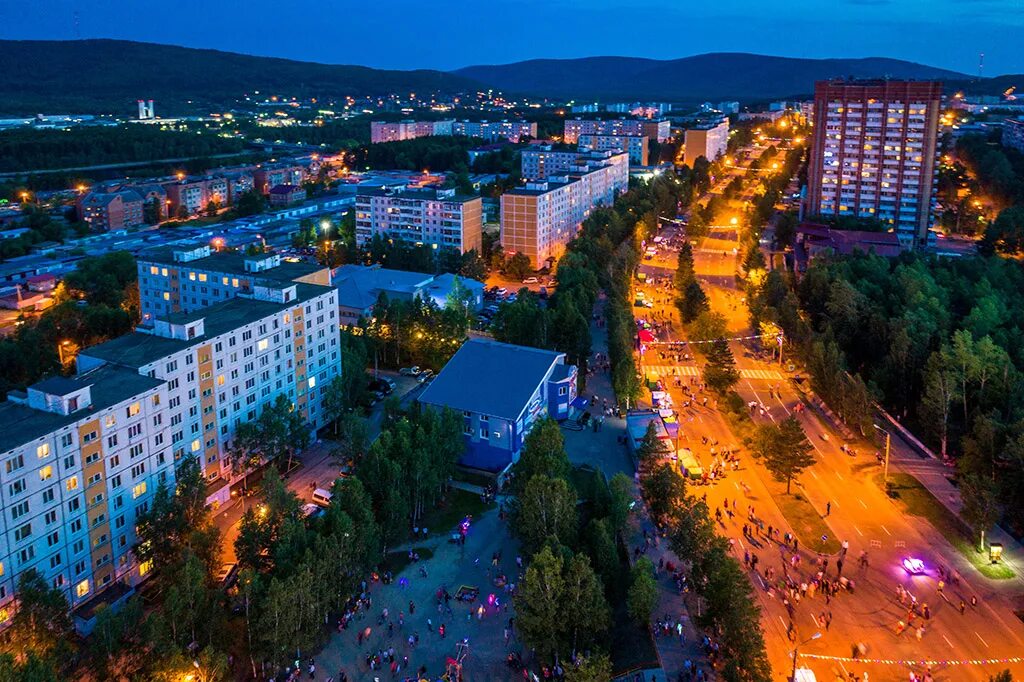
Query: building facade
point(113, 209)
point(634, 145)
point(540, 218)
point(709, 140)
point(436, 217)
point(873, 153)
point(396, 131)
point(513, 131)
point(1013, 134)
point(191, 195)
point(501, 391)
point(659, 130)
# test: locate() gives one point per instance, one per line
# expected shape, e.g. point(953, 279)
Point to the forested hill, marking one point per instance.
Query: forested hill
point(108, 76)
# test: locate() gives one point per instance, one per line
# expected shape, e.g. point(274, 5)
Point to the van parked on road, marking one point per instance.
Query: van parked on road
point(322, 497)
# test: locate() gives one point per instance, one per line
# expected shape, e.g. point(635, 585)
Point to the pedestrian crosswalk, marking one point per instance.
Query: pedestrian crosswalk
point(660, 371)
point(766, 374)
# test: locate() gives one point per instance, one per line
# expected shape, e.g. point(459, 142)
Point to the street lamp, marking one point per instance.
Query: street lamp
point(796, 649)
point(885, 467)
point(60, 350)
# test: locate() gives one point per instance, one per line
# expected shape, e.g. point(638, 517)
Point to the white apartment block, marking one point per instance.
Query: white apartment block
point(540, 163)
point(540, 218)
point(634, 145)
point(81, 459)
point(439, 218)
point(709, 140)
point(383, 131)
point(513, 131)
point(659, 130)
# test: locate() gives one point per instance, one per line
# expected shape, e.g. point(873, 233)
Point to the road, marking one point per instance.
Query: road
point(860, 514)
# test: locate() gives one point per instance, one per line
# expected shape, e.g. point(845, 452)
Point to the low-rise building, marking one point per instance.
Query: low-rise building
point(286, 195)
point(111, 208)
point(634, 145)
point(501, 391)
point(708, 140)
point(191, 195)
point(266, 176)
point(360, 287)
point(513, 131)
point(1013, 134)
point(439, 218)
point(396, 131)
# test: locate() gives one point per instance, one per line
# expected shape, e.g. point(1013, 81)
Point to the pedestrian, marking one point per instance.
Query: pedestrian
point(963, 607)
point(828, 508)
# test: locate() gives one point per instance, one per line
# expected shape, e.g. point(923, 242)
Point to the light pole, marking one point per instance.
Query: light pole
point(796, 649)
point(885, 466)
point(60, 351)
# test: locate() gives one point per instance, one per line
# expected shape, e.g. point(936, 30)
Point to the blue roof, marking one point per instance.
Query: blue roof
point(492, 378)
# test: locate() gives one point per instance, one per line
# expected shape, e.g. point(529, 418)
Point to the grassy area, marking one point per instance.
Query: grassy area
point(807, 523)
point(457, 505)
point(914, 499)
point(473, 478)
point(396, 562)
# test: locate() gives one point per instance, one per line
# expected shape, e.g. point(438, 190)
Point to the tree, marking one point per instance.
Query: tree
point(643, 592)
point(593, 668)
point(518, 266)
point(693, 302)
point(685, 275)
point(784, 449)
point(586, 610)
point(543, 453)
point(600, 546)
point(651, 448)
point(720, 372)
point(664, 490)
point(541, 615)
point(41, 625)
point(940, 390)
point(545, 511)
point(981, 508)
point(621, 503)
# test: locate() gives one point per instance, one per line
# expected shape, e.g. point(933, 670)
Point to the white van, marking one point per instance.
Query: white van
point(321, 497)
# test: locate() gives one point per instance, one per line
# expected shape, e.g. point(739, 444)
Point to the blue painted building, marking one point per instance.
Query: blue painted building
point(502, 390)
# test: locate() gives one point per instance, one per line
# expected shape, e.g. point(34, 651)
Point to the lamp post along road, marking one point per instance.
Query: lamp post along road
point(885, 466)
point(796, 650)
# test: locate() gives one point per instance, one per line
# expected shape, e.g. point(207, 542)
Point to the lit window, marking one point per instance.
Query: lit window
point(262, 345)
point(192, 276)
point(312, 382)
point(163, 271)
point(43, 450)
point(46, 473)
point(167, 296)
point(145, 567)
point(202, 277)
point(134, 409)
point(234, 283)
point(82, 588)
point(220, 379)
point(196, 445)
point(139, 490)
point(72, 483)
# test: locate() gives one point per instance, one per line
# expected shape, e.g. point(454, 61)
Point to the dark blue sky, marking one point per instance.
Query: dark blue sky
point(447, 34)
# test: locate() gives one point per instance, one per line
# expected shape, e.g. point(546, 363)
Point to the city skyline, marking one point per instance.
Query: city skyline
point(903, 29)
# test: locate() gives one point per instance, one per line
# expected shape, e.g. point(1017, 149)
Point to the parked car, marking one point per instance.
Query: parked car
point(425, 375)
point(410, 371)
point(501, 291)
point(530, 280)
point(385, 386)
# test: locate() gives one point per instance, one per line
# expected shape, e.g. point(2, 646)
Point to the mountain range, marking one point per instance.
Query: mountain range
point(107, 76)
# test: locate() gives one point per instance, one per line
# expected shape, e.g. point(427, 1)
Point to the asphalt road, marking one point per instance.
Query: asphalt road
point(860, 514)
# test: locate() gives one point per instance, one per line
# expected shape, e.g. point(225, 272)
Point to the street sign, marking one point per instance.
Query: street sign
point(875, 544)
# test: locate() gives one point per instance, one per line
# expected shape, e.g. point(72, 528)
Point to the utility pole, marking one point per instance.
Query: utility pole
point(885, 465)
point(796, 648)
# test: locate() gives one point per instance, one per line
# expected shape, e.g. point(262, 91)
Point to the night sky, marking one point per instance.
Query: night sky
point(447, 34)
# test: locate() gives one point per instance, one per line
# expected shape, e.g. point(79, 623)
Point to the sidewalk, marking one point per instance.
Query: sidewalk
point(601, 449)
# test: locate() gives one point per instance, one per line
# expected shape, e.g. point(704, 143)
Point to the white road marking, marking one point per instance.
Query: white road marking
point(814, 474)
point(947, 641)
point(782, 621)
point(839, 476)
point(858, 531)
point(886, 530)
point(982, 640)
point(862, 503)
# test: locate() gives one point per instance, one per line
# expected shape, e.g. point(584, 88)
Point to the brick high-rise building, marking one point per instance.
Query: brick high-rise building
point(873, 153)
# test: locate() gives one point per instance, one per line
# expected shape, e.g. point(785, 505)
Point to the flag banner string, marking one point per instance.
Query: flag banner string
point(920, 664)
point(694, 343)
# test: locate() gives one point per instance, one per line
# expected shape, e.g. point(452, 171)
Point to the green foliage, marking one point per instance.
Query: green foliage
point(27, 149)
point(784, 449)
point(1005, 234)
point(664, 491)
point(621, 489)
point(595, 668)
point(642, 597)
point(543, 453)
point(438, 153)
point(685, 274)
point(417, 332)
point(720, 373)
point(560, 607)
point(693, 302)
point(651, 447)
point(546, 511)
point(41, 625)
point(518, 266)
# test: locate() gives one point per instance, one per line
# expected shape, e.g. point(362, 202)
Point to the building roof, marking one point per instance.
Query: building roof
point(359, 286)
point(285, 189)
point(491, 378)
point(230, 263)
point(138, 349)
point(418, 193)
point(110, 385)
point(845, 242)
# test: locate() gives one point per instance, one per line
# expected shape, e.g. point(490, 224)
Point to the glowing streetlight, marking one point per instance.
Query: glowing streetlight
point(734, 220)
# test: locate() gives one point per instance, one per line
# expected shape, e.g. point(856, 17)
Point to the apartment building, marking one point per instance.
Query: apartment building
point(634, 145)
point(184, 279)
point(191, 195)
point(1013, 134)
point(384, 131)
point(81, 459)
point(540, 163)
point(111, 208)
point(873, 153)
point(540, 218)
point(492, 131)
point(439, 218)
point(655, 129)
point(267, 176)
point(708, 140)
